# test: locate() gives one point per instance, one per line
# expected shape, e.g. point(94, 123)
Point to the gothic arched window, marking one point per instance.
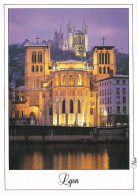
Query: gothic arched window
point(79, 106)
point(79, 80)
point(71, 106)
point(100, 58)
point(33, 84)
point(41, 68)
point(104, 70)
point(63, 106)
point(57, 106)
point(100, 70)
point(108, 58)
point(71, 79)
point(37, 84)
point(63, 80)
point(108, 69)
point(34, 57)
point(39, 57)
point(37, 68)
point(32, 68)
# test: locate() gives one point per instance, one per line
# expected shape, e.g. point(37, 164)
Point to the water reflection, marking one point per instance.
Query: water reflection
point(69, 156)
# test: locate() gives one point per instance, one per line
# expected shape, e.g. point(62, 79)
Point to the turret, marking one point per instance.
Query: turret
point(70, 28)
point(85, 28)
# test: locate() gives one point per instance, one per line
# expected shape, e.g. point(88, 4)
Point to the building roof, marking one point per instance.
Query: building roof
point(20, 87)
point(70, 61)
point(104, 46)
point(36, 45)
point(114, 77)
point(79, 32)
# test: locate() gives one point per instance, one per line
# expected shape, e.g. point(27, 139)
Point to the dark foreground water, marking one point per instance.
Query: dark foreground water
point(69, 156)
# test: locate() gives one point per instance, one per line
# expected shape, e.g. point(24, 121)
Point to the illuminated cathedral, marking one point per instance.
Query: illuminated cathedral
point(63, 93)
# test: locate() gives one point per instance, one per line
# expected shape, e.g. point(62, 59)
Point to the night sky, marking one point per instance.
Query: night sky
point(110, 23)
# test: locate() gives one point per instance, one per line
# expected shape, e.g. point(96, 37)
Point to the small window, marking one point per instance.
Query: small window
point(37, 68)
point(33, 57)
point(22, 98)
point(100, 70)
point(32, 68)
point(124, 91)
point(17, 97)
point(63, 80)
point(118, 99)
point(91, 111)
point(41, 68)
point(110, 109)
point(39, 57)
point(124, 82)
point(105, 58)
point(102, 58)
point(51, 83)
point(17, 114)
point(63, 106)
point(71, 106)
point(108, 69)
point(102, 92)
point(118, 110)
point(79, 80)
point(117, 82)
point(104, 70)
point(22, 114)
point(124, 99)
point(118, 91)
point(71, 79)
point(110, 91)
point(50, 95)
point(124, 109)
point(79, 106)
point(110, 100)
point(50, 111)
point(37, 84)
point(108, 58)
point(100, 54)
point(102, 100)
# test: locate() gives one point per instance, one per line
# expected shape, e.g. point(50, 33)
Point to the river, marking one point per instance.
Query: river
point(69, 156)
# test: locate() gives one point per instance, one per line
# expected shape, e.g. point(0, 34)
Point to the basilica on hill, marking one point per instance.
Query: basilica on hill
point(76, 40)
point(68, 93)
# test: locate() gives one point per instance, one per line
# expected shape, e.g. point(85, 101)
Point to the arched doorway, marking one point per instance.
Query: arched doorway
point(32, 118)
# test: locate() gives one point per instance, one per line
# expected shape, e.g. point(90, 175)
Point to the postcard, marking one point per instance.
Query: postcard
point(69, 97)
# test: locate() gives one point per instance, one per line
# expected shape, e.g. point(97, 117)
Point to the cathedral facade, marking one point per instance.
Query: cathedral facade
point(62, 93)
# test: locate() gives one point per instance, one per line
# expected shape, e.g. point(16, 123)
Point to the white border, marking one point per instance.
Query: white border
point(88, 179)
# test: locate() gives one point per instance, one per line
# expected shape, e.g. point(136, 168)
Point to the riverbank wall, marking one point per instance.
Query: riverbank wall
point(59, 134)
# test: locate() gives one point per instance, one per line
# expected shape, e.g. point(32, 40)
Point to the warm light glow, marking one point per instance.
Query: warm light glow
point(45, 85)
point(85, 161)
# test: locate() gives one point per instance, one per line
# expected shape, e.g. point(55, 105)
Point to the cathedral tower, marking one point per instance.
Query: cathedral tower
point(85, 31)
point(104, 61)
point(70, 36)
